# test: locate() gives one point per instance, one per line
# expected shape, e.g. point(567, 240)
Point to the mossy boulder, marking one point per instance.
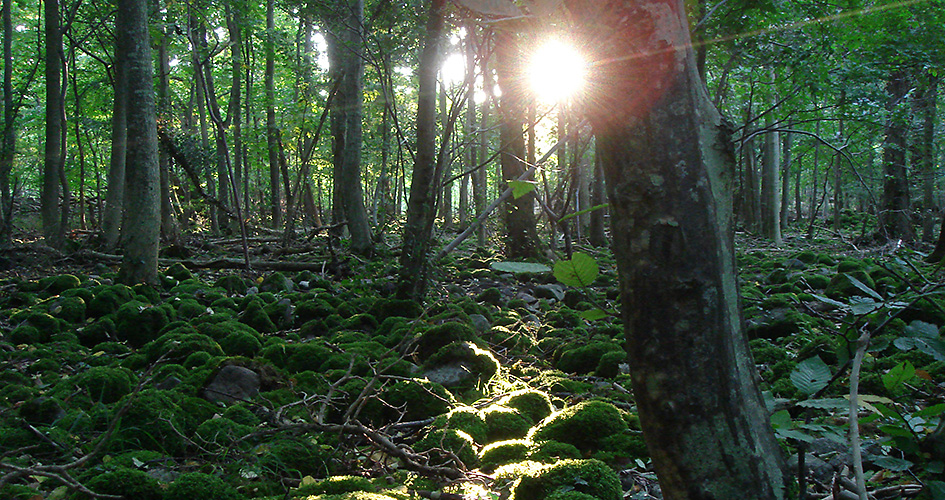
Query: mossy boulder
point(841, 287)
point(179, 272)
point(106, 384)
point(276, 283)
point(584, 359)
point(298, 457)
point(40, 411)
point(198, 485)
point(221, 433)
point(254, 315)
point(584, 425)
point(232, 283)
point(68, 309)
point(461, 365)
point(108, 298)
point(387, 308)
point(535, 405)
point(443, 442)
point(153, 421)
point(139, 322)
point(503, 452)
point(126, 482)
point(180, 343)
point(553, 451)
point(417, 398)
point(490, 296)
point(27, 334)
point(589, 477)
point(339, 485)
point(433, 339)
point(503, 423)
point(466, 419)
point(102, 330)
point(54, 285)
point(241, 343)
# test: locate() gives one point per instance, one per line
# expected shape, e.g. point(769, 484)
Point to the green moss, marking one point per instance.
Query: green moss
point(591, 477)
point(419, 399)
point(609, 365)
point(40, 411)
point(197, 485)
point(221, 433)
point(452, 441)
point(473, 358)
point(108, 298)
point(127, 482)
point(584, 359)
point(437, 337)
point(503, 452)
point(298, 457)
point(388, 308)
point(514, 341)
point(96, 333)
point(622, 448)
point(138, 322)
point(19, 492)
point(153, 421)
point(490, 296)
point(68, 309)
point(840, 286)
point(276, 283)
point(27, 334)
point(54, 285)
point(504, 423)
point(337, 485)
point(240, 414)
point(553, 451)
point(555, 381)
point(233, 284)
point(564, 318)
point(254, 315)
point(179, 272)
point(178, 344)
point(106, 384)
point(466, 419)
point(241, 343)
point(535, 405)
point(583, 425)
point(300, 357)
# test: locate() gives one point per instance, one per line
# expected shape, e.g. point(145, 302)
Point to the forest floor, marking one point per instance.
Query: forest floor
point(311, 382)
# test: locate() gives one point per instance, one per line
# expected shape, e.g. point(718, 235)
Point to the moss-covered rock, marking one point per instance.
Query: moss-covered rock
point(54, 285)
point(503, 423)
point(221, 433)
point(179, 272)
point(276, 283)
point(418, 398)
point(254, 315)
point(108, 298)
point(197, 485)
point(295, 456)
point(841, 287)
point(553, 451)
point(126, 482)
point(433, 339)
point(461, 365)
point(466, 419)
point(535, 405)
point(443, 442)
point(338, 485)
point(180, 343)
point(153, 421)
point(584, 425)
point(233, 284)
point(590, 477)
point(138, 322)
point(106, 384)
point(585, 358)
point(387, 308)
point(503, 452)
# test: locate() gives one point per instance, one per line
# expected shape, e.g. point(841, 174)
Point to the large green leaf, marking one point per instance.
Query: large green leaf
point(892, 463)
point(811, 375)
point(521, 188)
point(519, 267)
point(898, 375)
point(923, 337)
point(580, 271)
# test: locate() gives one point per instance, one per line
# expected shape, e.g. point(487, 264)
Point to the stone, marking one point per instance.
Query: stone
point(233, 383)
point(479, 323)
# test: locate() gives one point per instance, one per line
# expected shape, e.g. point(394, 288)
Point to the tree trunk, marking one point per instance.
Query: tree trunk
point(53, 229)
point(345, 52)
point(598, 236)
point(786, 165)
point(522, 234)
point(142, 220)
point(115, 191)
point(272, 139)
point(169, 228)
point(770, 183)
point(894, 219)
point(8, 146)
point(421, 207)
point(926, 98)
point(750, 198)
point(668, 160)
point(480, 185)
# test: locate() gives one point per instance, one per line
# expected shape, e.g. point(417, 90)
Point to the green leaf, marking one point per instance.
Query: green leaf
point(580, 271)
point(922, 329)
point(521, 188)
point(585, 211)
point(896, 431)
point(795, 435)
point(519, 267)
point(861, 306)
point(830, 301)
point(931, 411)
point(863, 288)
point(936, 489)
point(932, 347)
point(595, 314)
point(826, 404)
point(898, 375)
point(781, 419)
point(893, 464)
point(811, 375)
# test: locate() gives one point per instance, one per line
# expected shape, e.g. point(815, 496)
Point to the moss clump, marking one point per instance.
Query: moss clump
point(241, 414)
point(338, 485)
point(153, 421)
point(179, 272)
point(189, 308)
point(590, 477)
point(221, 433)
point(553, 451)
point(276, 283)
point(535, 405)
point(438, 337)
point(96, 333)
point(232, 283)
point(503, 452)
point(19, 492)
point(68, 309)
point(138, 322)
point(178, 344)
point(504, 423)
point(466, 419)
point(126, 482)
point(300, 457)
point(194, 485)
point(41, 410)
point(108, 298)
point(450, 441)
point(490, 296)
point(254, 315)
point(479, 364)
point(241, 343)
point(584, 359)
point(105, 384)
point(609, 364)
point(54, 285)
point(584, 425)
point(419, 399)
point(301, 357)
point(27, 334)
point(841, 287)
point(387, 308)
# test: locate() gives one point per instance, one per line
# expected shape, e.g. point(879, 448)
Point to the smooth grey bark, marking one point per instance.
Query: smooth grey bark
point(115, 190)
point(786, 162)
point(770, 184)
point(345, 47)
point(54, 159)
point(272, 138)
point(421, 205)
point(668, 159)
point(597, 234)
point(141, 224)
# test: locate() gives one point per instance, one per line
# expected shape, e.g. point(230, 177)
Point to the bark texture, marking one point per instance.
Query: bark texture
point(668, 160)
point(894, 219)
point(53, 229)
point(142, 219)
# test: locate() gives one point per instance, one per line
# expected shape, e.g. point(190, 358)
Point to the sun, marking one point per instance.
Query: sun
point(556, 71)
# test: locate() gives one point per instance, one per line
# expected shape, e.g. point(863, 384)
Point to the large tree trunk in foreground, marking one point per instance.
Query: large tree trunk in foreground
point(421, 207)
point(141, 224)
point(53, 229)
point(668, 160)
point(8, 144)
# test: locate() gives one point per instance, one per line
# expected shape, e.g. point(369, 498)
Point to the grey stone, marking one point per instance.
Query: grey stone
point(479, 323)
point(233, 383)
point(549, 292)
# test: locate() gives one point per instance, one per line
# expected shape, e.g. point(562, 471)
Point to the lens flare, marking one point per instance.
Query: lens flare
point(557, 71)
